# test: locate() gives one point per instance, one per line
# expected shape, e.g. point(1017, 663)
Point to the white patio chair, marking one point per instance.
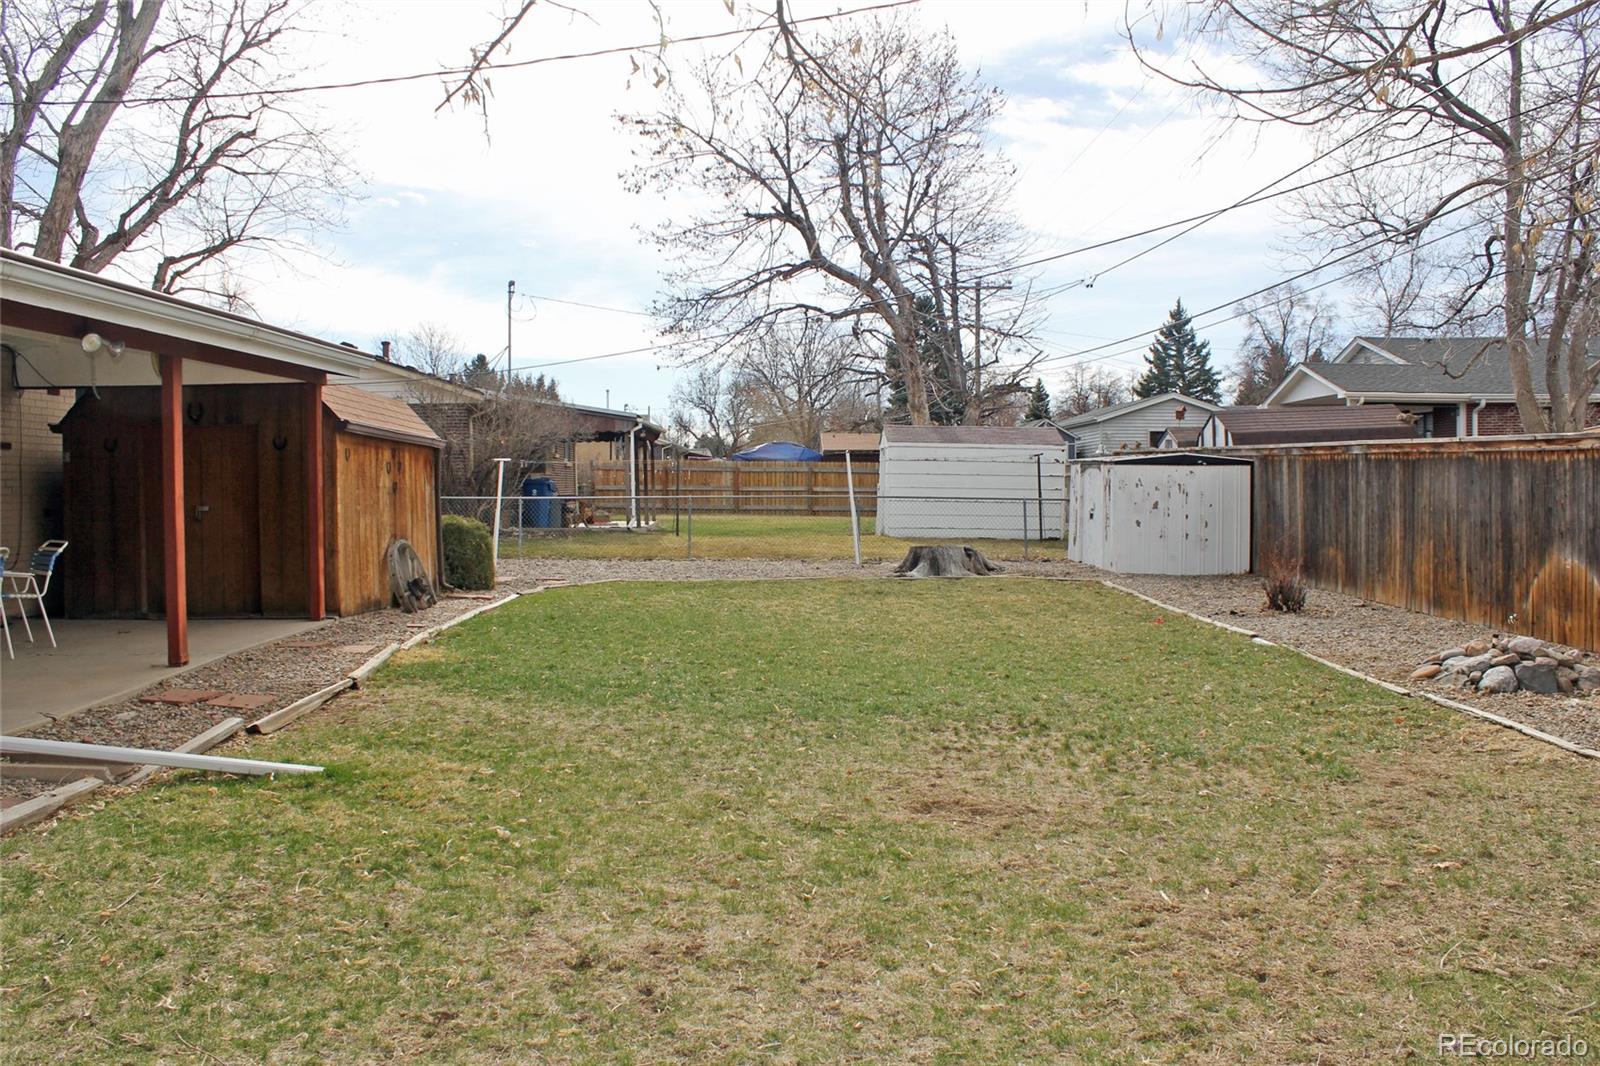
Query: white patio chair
point(32, 584)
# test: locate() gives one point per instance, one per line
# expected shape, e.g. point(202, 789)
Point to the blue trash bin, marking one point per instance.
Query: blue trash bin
point(546, 505)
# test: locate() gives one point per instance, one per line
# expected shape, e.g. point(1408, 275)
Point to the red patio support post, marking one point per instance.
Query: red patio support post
point(316, 519)
point(172, 544)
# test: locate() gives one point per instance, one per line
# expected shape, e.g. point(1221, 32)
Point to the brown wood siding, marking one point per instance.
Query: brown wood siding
point(377, 490)
point(113, 503)
point(114, 565)
point(1503, 533)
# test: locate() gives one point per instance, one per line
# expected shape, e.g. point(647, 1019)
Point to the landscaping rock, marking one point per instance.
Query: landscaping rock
point(1477, 647)
point(1538, 677)
point(1588, 678)
point(1498, 679)
point(1425, 671)
point(1448, 654)
point(1510, 658)
point(1525, 645)
point(1566, 680)
point(1466, 664)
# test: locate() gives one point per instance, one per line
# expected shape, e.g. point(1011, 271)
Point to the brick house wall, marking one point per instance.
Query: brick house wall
point(30, 464)
point(453, 423)
point(1502, 419)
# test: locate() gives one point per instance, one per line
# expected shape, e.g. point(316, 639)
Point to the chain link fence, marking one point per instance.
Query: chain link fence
point(785, 525)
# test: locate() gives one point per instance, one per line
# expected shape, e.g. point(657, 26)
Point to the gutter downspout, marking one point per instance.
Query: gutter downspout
point(1481, 405)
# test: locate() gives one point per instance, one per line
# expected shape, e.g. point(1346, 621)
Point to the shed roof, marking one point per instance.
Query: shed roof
point(1016, 436)
point(370, 415)
point(1289, 425)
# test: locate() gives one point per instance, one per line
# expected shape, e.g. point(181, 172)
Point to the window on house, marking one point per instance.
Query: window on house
point(1155, 437)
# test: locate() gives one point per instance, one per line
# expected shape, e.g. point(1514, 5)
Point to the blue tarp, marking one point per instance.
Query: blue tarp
point(778, 451)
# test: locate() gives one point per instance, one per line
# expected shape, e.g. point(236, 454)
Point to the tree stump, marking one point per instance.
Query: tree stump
point(945, 560)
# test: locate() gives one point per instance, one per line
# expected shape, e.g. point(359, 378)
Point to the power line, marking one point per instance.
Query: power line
point(396, 79)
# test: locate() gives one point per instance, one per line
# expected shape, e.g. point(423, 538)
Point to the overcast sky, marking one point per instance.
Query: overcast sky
point(450, 216)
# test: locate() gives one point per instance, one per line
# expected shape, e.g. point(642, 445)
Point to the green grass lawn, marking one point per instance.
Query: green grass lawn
point(745, 536)
point(816, 821)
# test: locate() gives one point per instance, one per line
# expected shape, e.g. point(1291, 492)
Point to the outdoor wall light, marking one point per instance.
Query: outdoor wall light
point(93, 342)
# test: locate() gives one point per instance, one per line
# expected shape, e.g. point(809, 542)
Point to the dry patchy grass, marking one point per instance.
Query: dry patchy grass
point(822, 821)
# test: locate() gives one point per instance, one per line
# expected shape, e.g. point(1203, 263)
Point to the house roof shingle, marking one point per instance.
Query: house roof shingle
point(1433, 366)
point(1299, 425)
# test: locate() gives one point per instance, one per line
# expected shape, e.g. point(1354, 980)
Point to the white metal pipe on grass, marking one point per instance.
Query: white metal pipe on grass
point(67, 749)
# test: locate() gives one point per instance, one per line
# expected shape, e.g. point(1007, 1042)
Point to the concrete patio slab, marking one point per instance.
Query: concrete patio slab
point(102, 661)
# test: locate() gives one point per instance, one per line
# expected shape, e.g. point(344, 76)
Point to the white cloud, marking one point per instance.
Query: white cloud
point(454, 214)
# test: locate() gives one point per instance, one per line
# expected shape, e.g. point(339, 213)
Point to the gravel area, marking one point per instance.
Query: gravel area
point(285, 669)
point(519, 572)
point(1386, 642)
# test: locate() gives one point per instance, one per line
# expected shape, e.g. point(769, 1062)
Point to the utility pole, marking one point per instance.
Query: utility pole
point(978, 288)
point(511, 288)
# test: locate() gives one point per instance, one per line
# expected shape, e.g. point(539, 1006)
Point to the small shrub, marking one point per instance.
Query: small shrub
point(1285, 588)
point(468, 553)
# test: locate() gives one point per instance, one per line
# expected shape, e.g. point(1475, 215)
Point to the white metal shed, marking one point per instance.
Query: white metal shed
point(1161, 513)
point(953, 482)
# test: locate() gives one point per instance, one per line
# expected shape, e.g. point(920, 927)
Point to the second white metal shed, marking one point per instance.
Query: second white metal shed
point(1161, 513)
point(961, 482)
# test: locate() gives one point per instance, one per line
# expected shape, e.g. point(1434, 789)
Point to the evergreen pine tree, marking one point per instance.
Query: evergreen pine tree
point(1038, 401)
point(1179, 362)
point(944, 406)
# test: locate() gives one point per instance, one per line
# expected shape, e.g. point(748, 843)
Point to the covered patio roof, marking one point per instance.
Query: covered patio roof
point(48, 309)
point(72, 329)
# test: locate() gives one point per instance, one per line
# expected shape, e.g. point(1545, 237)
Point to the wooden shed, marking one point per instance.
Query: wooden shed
point(1164, 512)
point(245, 486)
point(951, 482)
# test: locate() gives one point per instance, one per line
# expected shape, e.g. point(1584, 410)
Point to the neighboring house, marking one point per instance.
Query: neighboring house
point(1237, 427)
point(1457, 386)
point(1133, 425)
point(861, 447)
point(1179, 438)
point(971, 481)
point(572, 436)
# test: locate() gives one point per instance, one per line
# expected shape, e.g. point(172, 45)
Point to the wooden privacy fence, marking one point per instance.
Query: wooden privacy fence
point(751, 488)
point(1503, 532)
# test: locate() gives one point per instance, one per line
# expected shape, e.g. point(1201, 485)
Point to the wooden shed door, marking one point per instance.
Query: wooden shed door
point(223, 531)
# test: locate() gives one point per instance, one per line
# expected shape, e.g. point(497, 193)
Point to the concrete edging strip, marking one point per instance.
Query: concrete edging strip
point(275, 721)
point(1443, 701)
point(41, 807)
point(365, 670)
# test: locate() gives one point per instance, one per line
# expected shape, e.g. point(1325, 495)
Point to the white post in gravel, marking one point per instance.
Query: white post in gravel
point(855, 523)
point(499, 496)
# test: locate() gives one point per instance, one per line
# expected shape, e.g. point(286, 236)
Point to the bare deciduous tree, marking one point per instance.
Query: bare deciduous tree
point(712, 409)
point(805, 378)
point(149, 133)
point(1472, 132)
point(1283, 327)
point(848, 177)
point(1089, 390)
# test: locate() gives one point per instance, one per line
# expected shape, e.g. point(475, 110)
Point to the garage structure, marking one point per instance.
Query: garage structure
point(211, 463)
point(1161, 513)
point(980, 482)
